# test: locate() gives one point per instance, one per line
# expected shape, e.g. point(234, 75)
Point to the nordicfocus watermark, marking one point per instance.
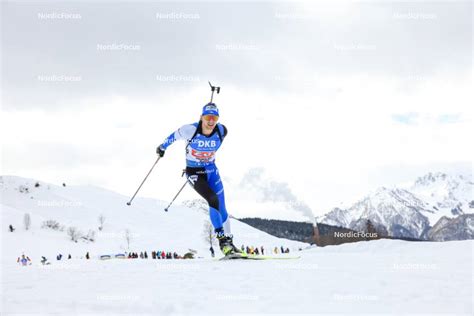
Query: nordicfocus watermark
point(118, 47)
point(415, 16)
point(293, 16)
point(237, 47)
point(354, 297)
point(112, 235)
point(355, 235)
point(238, 297)
point(415, 266)
point(301, 266)
point(111, 297)
point(412, 77)
point(296, 78)
point(61, 266)
point(355, 47)
point(58, 78)
point(55, 203)
point(174, 16)
point(178, 266)
point(177, 78)
point(59, 16)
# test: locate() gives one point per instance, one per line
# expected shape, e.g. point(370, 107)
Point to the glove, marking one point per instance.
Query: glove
point(160, 151)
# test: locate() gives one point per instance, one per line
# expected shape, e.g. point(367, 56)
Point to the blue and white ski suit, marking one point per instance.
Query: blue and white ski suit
point(201, 170)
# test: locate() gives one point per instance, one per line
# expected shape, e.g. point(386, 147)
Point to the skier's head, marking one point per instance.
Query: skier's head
point(210, 108)
point(210, 115)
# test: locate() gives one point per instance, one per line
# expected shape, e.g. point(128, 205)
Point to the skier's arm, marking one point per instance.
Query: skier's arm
point(184, 132)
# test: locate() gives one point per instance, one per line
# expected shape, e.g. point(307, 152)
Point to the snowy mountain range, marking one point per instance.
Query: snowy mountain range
point(435, 206)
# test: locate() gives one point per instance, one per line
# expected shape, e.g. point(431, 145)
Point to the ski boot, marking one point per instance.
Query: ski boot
point(226, 245)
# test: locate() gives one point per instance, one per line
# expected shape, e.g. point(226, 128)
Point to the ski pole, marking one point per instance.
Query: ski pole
point(166, 208)
point(217, 89)
point(130, 202)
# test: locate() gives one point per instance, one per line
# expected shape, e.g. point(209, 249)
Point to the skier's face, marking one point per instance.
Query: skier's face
point(210, 120)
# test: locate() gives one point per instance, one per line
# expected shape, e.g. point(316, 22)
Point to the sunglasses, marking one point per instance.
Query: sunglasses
point(210, 117)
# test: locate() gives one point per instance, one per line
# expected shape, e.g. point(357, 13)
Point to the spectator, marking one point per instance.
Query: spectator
point(87, 255)
point(69, 256)
point(153, 254)
point(24, 260)
point(212, 252)
point(256, 251)
point(287, 250)
point(262, 250)
point(58, 257)
point(44, 260)
point(275, 250)
point(163, 255)
point(282, 250)
point(11, 228)
point(242, 248)
point(145, 255)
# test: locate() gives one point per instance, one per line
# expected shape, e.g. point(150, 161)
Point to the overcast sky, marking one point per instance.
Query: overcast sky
point(324, 101)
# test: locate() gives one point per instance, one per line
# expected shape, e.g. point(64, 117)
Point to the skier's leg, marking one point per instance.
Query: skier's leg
point(217, 186)
point(202, 187)
point(200, 183)
point(203, 181)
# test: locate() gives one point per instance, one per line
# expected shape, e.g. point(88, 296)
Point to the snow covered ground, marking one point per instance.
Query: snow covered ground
point(377, 277)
